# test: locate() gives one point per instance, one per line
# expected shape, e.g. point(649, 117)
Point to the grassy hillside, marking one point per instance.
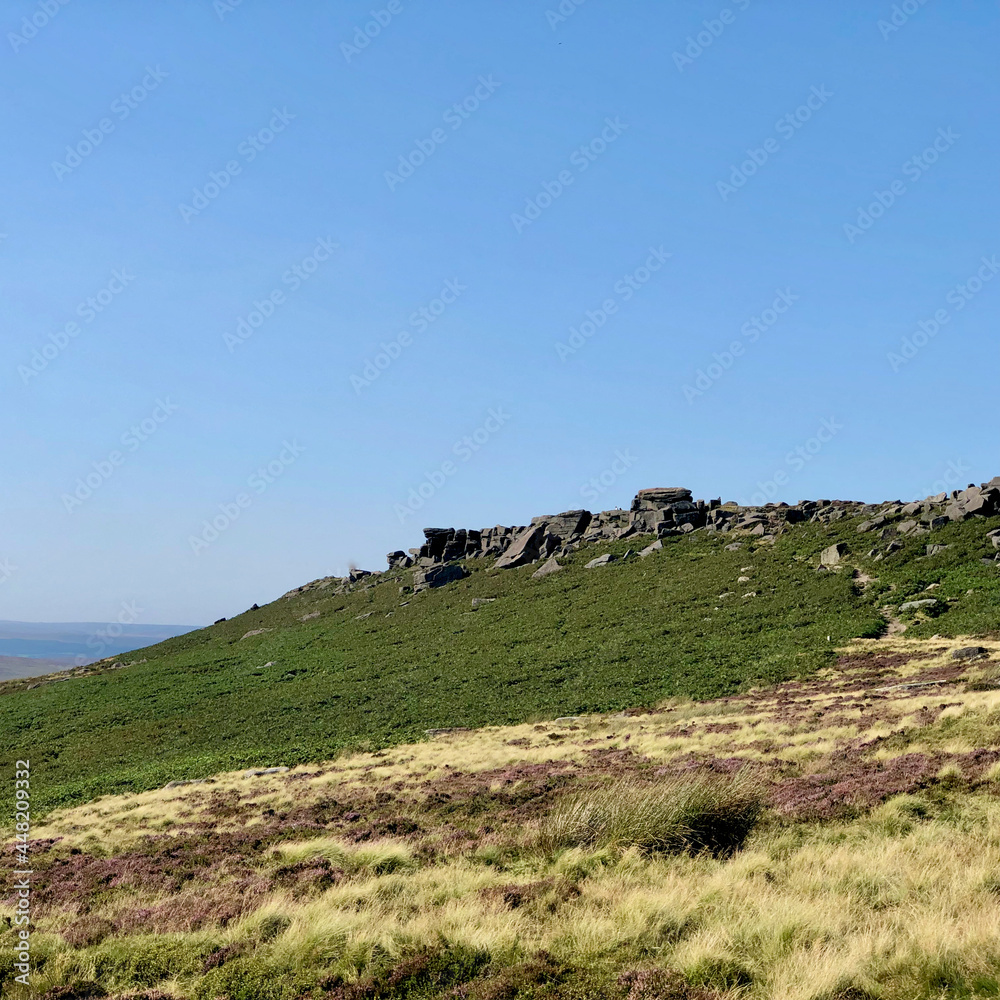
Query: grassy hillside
point(375, 668)
point(833, 839)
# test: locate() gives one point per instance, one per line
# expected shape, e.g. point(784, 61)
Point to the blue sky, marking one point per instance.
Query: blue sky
point(289, 282)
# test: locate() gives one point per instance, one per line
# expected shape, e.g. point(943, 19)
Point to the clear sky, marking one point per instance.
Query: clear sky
point(299, 268)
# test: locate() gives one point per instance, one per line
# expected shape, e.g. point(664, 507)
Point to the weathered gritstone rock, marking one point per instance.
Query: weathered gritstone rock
point(668, 511)
point(832, 555)
point(437, 576)
point(600, 561)
point(546, 569)
point(927, 602)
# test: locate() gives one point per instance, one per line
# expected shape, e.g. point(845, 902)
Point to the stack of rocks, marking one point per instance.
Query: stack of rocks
point(668, 511)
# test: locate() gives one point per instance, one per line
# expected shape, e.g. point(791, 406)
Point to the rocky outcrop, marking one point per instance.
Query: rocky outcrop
point(668, 511)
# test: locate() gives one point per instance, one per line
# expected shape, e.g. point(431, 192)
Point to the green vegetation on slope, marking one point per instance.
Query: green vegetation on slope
point(607, 639)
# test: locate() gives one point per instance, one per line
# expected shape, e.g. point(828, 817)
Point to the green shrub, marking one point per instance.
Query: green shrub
point(240, 980)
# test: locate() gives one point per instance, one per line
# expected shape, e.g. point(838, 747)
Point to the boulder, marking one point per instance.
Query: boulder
point(979, 505)
point(933, 550)
point(926, 602)
point(831, 556)
point(651, 548)
point(550, 566)
point(660, 496)
point(523, 549)
point(437, 576)
point(567, 525)
point(600, 561)
point(875, 522)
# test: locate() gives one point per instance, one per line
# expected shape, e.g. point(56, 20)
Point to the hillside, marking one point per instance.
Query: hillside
point(732, 598)
point(830, 839)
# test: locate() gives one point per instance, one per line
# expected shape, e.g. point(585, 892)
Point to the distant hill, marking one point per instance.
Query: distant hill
point(12, 667)
point(65, 644)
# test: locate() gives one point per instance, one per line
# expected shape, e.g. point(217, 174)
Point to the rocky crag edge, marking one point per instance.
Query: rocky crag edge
point(665, 512)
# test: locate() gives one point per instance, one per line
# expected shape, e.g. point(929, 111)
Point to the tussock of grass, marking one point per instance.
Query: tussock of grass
point(692, 812)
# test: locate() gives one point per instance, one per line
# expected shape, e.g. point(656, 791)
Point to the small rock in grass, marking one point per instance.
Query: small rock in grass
point(917, 605)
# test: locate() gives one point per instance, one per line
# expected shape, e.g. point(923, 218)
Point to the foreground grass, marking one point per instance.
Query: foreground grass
point(374, 668)
point(555, 861)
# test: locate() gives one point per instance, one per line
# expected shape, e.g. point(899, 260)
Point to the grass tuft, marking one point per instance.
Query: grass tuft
point(690, 813)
